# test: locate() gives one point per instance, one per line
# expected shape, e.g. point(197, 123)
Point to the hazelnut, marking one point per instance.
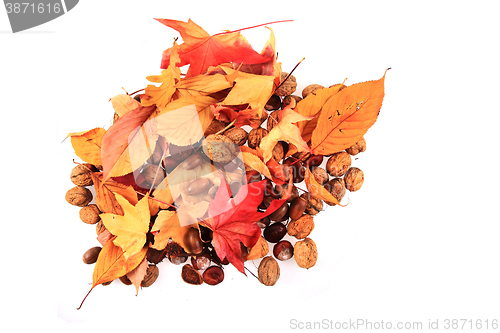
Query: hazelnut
point(338, 164)
point(80, 175)
point(310, 89)
point(301, 227)
point(90, 214)
point(79, 196)
point(305, 253)
point(255, 136)
point(237, 135)
point(151, 275)
point(354, 179)
point(287, 87)
point(357, 148)
point(269, 271)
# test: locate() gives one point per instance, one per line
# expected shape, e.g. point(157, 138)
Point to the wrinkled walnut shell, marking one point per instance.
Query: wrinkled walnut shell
point(219, 148)
point(255, 136)
point(90, 214)
point(305, 253)
point(269, 271)
point(80, 175)
point(354, 179)
point(301, 227)
point(357, 148)
point(338, 164)
point(79, 196)
point(310, 89)
point(237, 135)
point(288, 87)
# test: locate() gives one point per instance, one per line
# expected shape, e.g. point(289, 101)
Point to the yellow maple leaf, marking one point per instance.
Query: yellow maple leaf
point(162, 95)
point(167, 225)
point(130, 229)
point(285, 130)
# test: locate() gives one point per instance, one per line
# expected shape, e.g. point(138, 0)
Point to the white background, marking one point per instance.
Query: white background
point(419, 241)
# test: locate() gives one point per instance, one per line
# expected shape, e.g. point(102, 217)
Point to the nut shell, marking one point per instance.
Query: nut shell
point(151, 275)
point(90, 214)
point(305, 253)
point(79, 196)
point(357, 148)
point(191, 275)
point(338, 164)
point(288, 87)
point(219, 148)
point(354, 179)
point(90, 256)
point(80, 175)
point(269, 271)
point(310, 89)
point(237, 135)
point(301, 227)
point(255, 136)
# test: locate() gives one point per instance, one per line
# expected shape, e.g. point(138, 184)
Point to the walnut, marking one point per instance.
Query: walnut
point(320, 175)
point(257, 121)
point(191, 275)
point(80, 175)
point(151, 275)
point(79, 196)
point(310, 89)
point(305, 253)
point(336, 187)
point(238, 135)
point(354, 179)
point(338, 164)
point(269, 271)
point(214, 127)
point(357, 148)
point(314, 205)
point(90, 214)
point(301, 227)
point(255, 136)
point(288, 87)
point(219, 148)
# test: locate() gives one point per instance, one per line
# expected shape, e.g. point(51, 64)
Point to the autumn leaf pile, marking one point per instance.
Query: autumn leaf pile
point(164, 186)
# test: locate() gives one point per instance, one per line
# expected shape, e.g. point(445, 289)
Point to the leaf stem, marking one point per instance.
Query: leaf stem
point(255, 26)
point(78, 308)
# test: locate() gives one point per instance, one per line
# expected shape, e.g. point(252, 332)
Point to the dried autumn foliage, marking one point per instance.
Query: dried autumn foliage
point(163, 129)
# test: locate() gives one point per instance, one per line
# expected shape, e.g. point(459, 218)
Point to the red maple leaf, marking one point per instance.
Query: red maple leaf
point(234, 220)
point(200, 50)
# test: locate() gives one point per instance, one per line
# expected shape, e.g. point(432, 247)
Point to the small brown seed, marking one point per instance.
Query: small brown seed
point(90, 256)
point(297, 208)
point(151, 275)
point(192, 161)
point(269, 271)
point(191, 275)
point(198, 186)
